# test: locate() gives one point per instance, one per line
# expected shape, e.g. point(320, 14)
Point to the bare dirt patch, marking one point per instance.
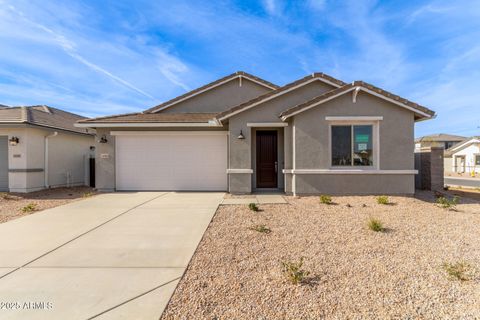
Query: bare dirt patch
point(12, 205)
point(353, 272)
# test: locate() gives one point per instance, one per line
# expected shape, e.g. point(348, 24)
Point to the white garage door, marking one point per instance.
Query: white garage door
point(171, 161)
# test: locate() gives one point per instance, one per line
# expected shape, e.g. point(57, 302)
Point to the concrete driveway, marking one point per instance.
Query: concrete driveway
point(113, 256)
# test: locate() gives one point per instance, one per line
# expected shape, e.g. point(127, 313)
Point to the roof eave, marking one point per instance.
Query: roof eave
point(212, 124)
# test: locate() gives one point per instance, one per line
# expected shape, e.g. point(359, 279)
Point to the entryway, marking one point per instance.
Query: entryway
point(267, 159)
point(3, 163)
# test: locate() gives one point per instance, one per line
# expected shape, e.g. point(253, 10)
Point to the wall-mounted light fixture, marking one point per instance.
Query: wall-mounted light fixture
point(14, 141)
point(103, 139)
point(241, 136)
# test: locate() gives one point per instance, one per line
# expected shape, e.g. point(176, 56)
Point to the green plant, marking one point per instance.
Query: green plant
point(375, 225)
point(29, 208)
point(383, 200)
point(446, 203)
point(294, 272)
point(458, 270)
point(87, 194)
point(325, 199)
point(253, 206)
point(260, 228)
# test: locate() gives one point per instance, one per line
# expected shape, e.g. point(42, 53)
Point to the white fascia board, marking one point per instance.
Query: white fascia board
point(267, 124)
point(466, 143)
point(354, 118)
point(168, 133)
point(362, 89)
point(209, 88)
point(147, 124)
point(347, 171)
point(277, 95)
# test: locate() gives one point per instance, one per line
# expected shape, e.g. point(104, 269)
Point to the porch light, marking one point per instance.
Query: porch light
point(14, 141)
point(103, 139)
point(240, 136)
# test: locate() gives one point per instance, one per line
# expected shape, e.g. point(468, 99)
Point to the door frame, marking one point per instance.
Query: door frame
point(7, 156)
point(257, 153)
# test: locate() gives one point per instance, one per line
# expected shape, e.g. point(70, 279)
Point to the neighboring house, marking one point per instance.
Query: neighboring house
point(443, 140)
point(464, 157)
point(242, 134)
point(40, 148)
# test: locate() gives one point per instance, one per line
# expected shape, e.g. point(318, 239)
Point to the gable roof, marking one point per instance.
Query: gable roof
point(140, 117)
point(357, 86)
point(280, 91)
point(463, 144)
point(41, 116)
point(209, 86)
point(440, 137)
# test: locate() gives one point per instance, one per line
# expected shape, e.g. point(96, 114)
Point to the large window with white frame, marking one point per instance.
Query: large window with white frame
point(352, 145)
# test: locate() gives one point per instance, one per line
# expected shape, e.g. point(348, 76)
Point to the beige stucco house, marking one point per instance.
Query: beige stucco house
point(41, 148)
point(242, 134)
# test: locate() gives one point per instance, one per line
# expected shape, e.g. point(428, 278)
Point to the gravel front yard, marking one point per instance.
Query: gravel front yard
point(12, 204)
point(355, 273)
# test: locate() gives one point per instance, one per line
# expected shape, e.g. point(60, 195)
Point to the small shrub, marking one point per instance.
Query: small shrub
point(364, 205)
point(446, 203)
point(383, 200)
point(375, 225)
point(260, 228)
point(253, 206)
point(30, 208)
point(348, 205)
point(87, 194)
point(294, 272)
point(458, 270)
point(325, 199)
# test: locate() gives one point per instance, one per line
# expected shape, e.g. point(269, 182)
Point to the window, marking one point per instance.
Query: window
point(352, 145)
point(449, 144)
point(477, 160)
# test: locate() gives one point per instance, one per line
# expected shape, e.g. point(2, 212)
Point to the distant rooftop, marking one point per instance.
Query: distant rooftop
point(440, 137)
point(41, 115)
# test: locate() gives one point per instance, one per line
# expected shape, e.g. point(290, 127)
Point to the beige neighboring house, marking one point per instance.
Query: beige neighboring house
point(464, 157)
point(41, 148)
point(243, 134)
point(443, 140)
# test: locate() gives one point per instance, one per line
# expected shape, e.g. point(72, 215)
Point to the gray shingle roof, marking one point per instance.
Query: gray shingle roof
point(41, 116)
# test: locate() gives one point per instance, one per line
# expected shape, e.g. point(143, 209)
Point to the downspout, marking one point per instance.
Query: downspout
point(45, 171)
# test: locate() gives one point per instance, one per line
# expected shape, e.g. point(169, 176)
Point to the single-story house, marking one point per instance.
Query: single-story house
point(41, 148)
point(443, 140)
point(464, 157)
point(241, 134)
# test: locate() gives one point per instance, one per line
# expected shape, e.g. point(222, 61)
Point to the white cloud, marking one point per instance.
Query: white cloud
point(270, 6)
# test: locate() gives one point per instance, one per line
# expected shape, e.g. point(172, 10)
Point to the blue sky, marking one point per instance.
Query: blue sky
point(108, 57)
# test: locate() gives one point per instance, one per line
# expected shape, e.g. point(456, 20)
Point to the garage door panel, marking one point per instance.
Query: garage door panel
point(196, 161)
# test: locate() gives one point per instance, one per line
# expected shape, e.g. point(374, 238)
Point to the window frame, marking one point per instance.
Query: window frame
point(375, 143)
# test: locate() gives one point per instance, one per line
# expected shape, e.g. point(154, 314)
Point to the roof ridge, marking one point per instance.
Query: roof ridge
point(24, 114)
point(110, 116)
point(280, 89)
point(186, 95)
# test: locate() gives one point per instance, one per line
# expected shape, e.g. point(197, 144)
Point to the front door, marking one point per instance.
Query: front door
point(267, 164)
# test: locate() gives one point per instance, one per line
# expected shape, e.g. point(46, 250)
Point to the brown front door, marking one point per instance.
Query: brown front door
point(267, 164)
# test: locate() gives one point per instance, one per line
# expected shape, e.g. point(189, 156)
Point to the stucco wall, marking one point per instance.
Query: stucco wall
point(220, 98)
point(354, 184)
point(469, 153)
point(240, 156)
point(396, 140)
point(27, 159)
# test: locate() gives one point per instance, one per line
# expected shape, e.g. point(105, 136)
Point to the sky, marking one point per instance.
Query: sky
point(109, 57)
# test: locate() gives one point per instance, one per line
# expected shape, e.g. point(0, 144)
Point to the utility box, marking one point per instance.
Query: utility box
point(429, 163)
